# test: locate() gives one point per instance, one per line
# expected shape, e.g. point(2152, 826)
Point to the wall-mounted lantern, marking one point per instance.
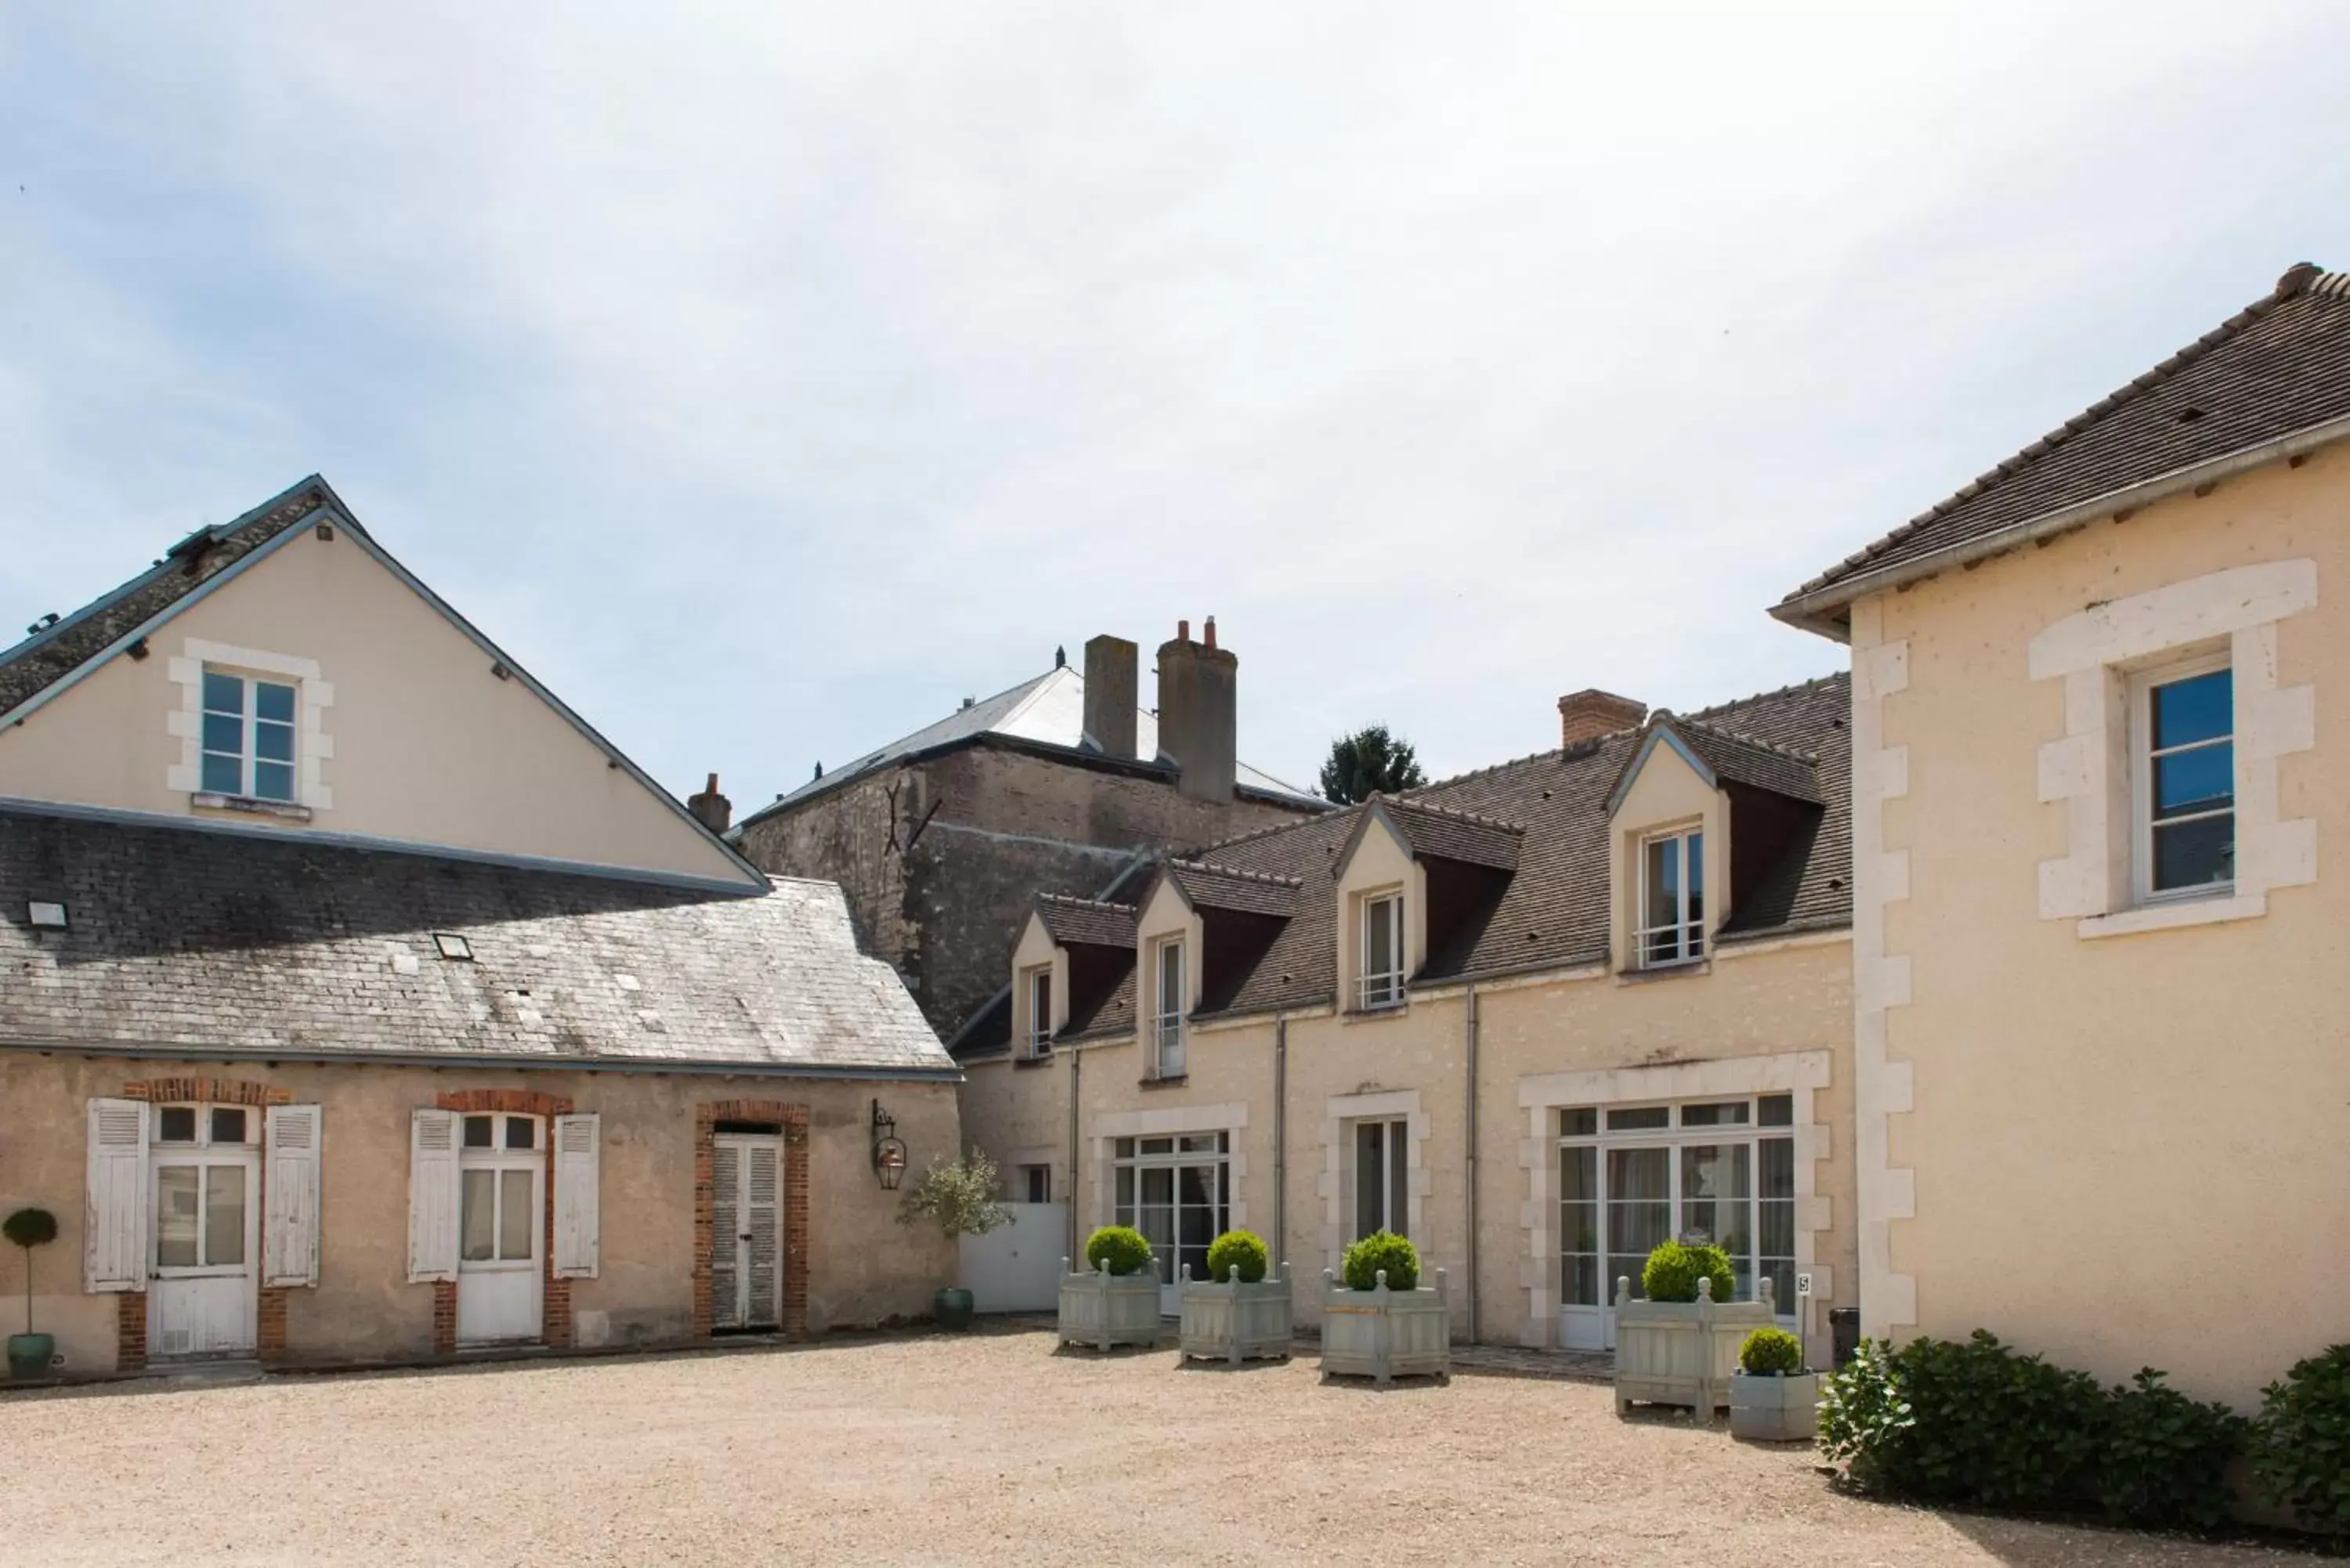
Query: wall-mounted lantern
point(889, 1154)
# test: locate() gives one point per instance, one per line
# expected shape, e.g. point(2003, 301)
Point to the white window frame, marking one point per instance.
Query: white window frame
point(1380, 986)
point(1166, 1041)
point(2142, 686)
point(1394, 1189)
point(249, 760)
point(199, 1154)
point(1689, 947)
point(1032, 1179)
point(1039, 983)
point(499, 1158)
point(1132, 1155)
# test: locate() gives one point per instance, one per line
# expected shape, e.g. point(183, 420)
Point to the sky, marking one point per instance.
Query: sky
point(766, 379)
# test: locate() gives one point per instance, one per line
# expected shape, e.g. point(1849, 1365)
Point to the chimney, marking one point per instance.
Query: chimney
point(710, 808)
point(1111, 694)
point(1198, 712)
point(1590, 713)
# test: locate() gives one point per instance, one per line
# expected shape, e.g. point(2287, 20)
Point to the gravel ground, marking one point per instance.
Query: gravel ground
point(992, 1447)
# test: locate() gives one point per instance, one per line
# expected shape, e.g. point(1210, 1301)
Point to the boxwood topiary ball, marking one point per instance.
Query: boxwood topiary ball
point(30, 1228)
point(1771, 1350)
point(1674, 1270)
point(1237, 1249)
point(1121, 1246)
point(1383, 1249)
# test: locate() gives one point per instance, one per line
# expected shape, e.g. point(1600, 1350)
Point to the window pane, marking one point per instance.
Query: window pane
point(1727, 1113)
point(1126, 1149)
point(223, 1215)
point(1776, 1160)
point(176, 1124)
point(1639, 1211)
point(224, 733)
point(2202, 779)
point(1693, 869)
point(1200, 1143)
point(274, 742)
point(1662, 908)
point(1171, 980)
point(2195, 854)
point(1580, 1122)
point(1156, 1219)
point(2197, 709)
point(1716, 1189)
point(1639, 1117)
point(521, 1133)
point(228, 1124)
point(1198, 1217)
point(223, 693)
point(479, 1132)
point(273, 781)
point(1379, 935)
point(477, 1214)
point(1399, 1181)
point(514, 1213)
point(222, 775)
point(272, 701)
point(175, 1216)
point(1370, 1175)
point(1775, 1110)
point(1158, 1145)
point(1580, 1283)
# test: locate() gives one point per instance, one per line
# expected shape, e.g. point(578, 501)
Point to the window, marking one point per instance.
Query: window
point(2184, 780)
point(204, 1183)
point(1382, 1179)
point(1167, 1032)
point(1177, 1191)
point(249, 737)
point(498, 1190)
point(202, 1126)
point(1672, 928)
point(1040, 1010)
point(1036, 1182)
point(1382, 976)
point(1711, 1170)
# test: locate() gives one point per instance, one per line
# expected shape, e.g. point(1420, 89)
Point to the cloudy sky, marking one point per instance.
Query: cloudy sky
point(768, 378)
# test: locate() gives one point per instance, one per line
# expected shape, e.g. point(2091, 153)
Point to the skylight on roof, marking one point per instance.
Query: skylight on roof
point(45, 916)
point(453, 946)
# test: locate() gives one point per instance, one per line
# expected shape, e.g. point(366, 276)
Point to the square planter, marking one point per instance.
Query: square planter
point(1682, 1352)
point(1780, 1409)
point(1234, 1322)
point(1385, 1334)
point(1103, 1309)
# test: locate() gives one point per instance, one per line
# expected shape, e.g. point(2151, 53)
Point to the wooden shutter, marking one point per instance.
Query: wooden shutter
point(289, 1218)
point(575, 1161)
point(725, 1235)
point(114, 1226)
point(432, 1195)
point(763, 1217)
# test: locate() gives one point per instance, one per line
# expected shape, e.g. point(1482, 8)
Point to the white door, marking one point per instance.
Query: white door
point(500, 1228)
point(1176, 1192)
point(203, 1292)
point(746, 1231)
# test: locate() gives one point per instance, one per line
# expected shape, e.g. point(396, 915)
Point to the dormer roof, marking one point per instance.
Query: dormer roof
point(1091, 922)
point(1211, 886)
point(1720, 756)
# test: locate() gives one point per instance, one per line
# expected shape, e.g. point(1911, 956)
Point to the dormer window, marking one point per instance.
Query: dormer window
point(1381, 980)
point(249, 737)
point(1672, 899)
point(1040, 1010)
point(1167, 1024)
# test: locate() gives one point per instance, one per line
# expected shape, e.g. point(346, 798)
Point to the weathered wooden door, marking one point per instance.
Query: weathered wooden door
point(746, 1231)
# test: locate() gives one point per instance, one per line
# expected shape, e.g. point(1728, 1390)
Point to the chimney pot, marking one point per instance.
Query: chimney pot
point(1183, 631)
point(1211, 638)
point(1587, 714)
point(710, 808)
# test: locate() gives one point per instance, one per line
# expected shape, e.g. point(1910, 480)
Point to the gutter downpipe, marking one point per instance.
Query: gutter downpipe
point(1471, 1006)
point(1076, 1183)
point(1280, 1139)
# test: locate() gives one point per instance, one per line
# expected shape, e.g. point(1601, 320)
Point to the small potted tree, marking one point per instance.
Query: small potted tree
point(1235, 1313)
point(958, 1197)
point(29, 1354)
point(1116, 1302)
point(1680, 1346)
point(1382, 1325)
point(1772, 1398)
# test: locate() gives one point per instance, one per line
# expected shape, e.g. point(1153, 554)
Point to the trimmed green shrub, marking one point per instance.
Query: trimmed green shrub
point(1992, 1426)
point(1768, 1351)
point(1241, 1251)
point(1121, 1246)
point(29, 1229)
point(1382, 1249)
point(2162, 1461)
point(2300, 1442)
point(1673, 1270)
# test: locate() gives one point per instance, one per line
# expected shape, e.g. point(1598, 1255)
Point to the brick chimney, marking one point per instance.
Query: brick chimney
point(1590, 713)
point(1198, 712)
point(713, 810)
point(1112, 693)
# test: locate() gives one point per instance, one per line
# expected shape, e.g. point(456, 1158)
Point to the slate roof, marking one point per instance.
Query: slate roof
point(1552, 910)
point(1087, 921)
point(2278, 367)
point(1048, 711)
point(1223, 887)
point(52, 653)
point(183, 940)
point(1108, 1015)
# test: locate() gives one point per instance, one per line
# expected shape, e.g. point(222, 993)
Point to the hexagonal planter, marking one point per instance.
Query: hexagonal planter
point(1102, 1309)
point(1682, 1352)
point(1385, 1334)
point(1234, 1322)
point(1774, 1408)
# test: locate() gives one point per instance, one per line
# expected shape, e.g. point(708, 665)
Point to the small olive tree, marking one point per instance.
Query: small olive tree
point(29, 1229)
point(958, 1196)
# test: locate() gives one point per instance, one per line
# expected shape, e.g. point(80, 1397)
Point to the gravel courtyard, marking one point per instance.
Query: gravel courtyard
point(987, 1449)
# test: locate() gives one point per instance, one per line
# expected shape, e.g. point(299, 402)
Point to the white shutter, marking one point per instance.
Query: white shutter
point(289, 1220)
point(114, 1225)
point(576, 1173)
point(432, 1195)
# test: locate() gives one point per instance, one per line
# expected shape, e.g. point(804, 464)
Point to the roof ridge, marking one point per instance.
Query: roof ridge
point(1454, 812)
point(1255, 834)
point(1707, 715)
point(1071, 899)
point(1756, 742)
point(2303, 277)
point(1268, 877)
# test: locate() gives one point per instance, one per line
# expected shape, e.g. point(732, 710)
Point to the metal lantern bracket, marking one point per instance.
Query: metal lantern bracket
point(888, 1152)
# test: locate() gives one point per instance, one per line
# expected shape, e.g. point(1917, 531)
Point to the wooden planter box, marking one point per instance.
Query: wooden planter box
point(1385, 1334)
point(1682, 1352)
point(1233, 1321)
point(1103, 1309)
point(1782, 1410)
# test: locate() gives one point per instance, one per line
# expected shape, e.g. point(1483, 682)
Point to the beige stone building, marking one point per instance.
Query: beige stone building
point(358, 1002)
point(1537, 1018)
point(2098, 711)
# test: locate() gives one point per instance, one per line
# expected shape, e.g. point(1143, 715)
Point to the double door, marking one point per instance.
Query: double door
point(1176, 1192)
point(746, 1231)
point(1617, 1203)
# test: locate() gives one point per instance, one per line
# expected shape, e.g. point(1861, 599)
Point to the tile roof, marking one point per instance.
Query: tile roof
point(52, 652)
point(1450, 835)
point(185, 940)
point(1107, 1015)
point(2276, 368)
point(1225, 887)
point(1744, 760)
point(1048, 711)
point(1086, 921)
